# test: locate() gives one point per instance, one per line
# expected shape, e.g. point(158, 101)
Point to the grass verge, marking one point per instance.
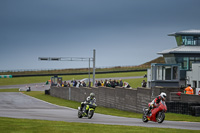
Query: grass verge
point(9, 125)
point(10, 90)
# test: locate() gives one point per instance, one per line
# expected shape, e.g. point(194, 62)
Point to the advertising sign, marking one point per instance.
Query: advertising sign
point(197, 91)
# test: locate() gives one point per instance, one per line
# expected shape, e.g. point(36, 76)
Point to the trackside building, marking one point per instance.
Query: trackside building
point(179, 69)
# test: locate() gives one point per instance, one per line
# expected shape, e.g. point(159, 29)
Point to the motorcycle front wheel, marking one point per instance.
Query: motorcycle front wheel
point(144, 118)
point(80, 114)
point(160, 117)
point(90, 114)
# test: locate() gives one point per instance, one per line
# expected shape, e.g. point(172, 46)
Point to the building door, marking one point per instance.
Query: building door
point(194, 84)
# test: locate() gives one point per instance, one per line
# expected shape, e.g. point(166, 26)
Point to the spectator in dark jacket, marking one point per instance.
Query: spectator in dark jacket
point(120, 83)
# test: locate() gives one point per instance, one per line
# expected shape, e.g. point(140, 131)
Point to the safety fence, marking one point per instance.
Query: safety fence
point(188, 108)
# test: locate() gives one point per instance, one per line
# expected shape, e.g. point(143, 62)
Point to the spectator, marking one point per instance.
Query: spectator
point(105, 82)
point(126, 85)
point(108, 84)
point(144, 83)
point(83, 84)
point(74, 83)
point(116, 83)
point(62, 85)
point(78, 84)
point(68, 84)
point(112, 83)
point(189, 90)
point(102, 83)
point(98, 83)
point(65, 84)
point(120, 83)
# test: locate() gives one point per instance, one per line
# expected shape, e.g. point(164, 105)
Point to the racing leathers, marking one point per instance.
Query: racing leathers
point(154, 103)
point(89, 100)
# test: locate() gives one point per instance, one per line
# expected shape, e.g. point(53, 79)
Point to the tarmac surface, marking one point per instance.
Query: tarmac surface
point(19, 105)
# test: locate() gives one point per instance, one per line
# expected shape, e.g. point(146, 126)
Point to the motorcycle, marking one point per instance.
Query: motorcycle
point(87, 111)
point(157, 114)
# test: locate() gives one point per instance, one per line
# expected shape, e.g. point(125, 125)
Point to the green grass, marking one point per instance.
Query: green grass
point(10, 90)
point(40, 79)
point(10, 125)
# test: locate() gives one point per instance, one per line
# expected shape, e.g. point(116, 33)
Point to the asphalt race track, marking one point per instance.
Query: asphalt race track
point(19, 105)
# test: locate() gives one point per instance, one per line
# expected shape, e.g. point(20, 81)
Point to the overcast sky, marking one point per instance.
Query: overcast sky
point(123, 32)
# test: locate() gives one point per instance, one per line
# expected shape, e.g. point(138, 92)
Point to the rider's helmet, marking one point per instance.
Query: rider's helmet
point(92, 95)
point(163, 95)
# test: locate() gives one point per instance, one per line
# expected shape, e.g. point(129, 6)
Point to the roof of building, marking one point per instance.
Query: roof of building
point(182, 50)
point(186, 32)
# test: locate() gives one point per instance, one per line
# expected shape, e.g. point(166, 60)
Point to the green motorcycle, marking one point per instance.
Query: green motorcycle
point(87, 111)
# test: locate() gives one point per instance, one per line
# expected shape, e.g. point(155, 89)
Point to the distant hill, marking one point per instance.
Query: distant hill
point(157, 60)
point(83, 70)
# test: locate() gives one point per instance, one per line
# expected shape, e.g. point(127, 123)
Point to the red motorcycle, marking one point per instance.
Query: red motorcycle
point(157, 114)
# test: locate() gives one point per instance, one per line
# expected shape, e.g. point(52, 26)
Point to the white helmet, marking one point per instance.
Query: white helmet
point(92, 95)
point(163, 95)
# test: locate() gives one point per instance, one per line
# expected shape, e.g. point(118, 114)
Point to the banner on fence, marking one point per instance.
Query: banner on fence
point(197, 91)
point(5, 76)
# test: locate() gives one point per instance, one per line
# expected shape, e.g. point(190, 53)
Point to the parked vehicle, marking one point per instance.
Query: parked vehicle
point(87, 111)
point(157, 114)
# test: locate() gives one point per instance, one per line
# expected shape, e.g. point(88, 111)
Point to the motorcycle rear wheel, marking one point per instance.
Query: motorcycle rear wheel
point(161, 117)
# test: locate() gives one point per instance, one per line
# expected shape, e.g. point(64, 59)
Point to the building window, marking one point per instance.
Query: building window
point(197, 59)
point(163, 73)
point(198, 41)
point(194, 84)
point(166, 73)
point(186, 62)
point(191, 61)
point(159, 73)
point(183, 62)
point(190, 40)
point(175, 72)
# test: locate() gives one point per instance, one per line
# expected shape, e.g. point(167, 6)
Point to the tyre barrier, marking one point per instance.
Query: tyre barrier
point(5, 76)
point(47, 92)
point(195, 110)
point(187, 108)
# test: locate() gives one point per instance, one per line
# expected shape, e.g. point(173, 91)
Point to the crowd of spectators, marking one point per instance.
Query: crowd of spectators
point(73, 83)
point(109, 83)
point(105, 83)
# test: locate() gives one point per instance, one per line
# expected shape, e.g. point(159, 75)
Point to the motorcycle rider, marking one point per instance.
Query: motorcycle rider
point(89, 99)
point(156, 101)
